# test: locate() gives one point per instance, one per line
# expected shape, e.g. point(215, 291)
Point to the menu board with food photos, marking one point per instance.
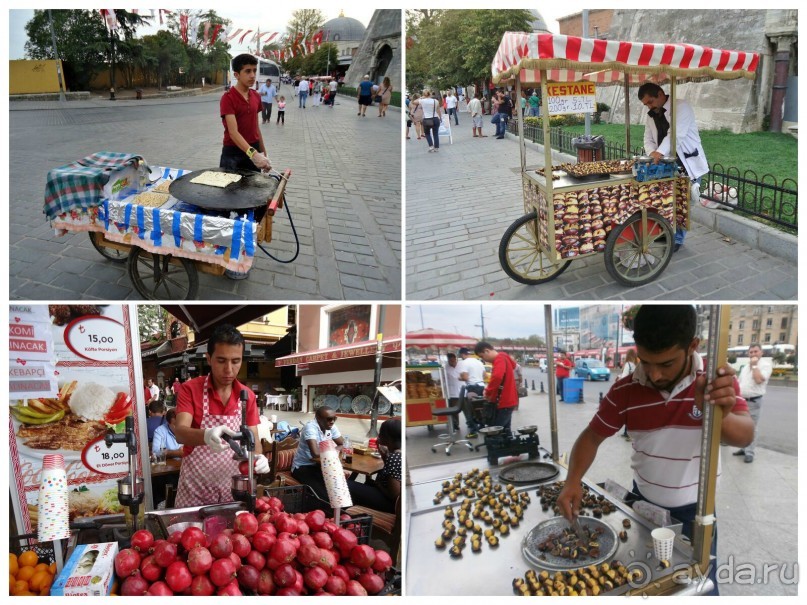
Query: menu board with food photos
point(71, 378)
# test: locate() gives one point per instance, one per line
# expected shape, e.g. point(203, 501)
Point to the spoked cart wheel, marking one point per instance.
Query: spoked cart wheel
point(116, 255)
point(637, 252)
point(521, 256)
point(162, 276)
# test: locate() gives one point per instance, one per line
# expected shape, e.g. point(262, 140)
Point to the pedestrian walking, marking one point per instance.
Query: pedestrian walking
point(754, 378)
point(475, 109)
point(268, 93)
point(364, 95)
point(451, 106)
point(416, 111)
point(431, 121)
point(385, 94)
point(305, 86)
point(281, 110)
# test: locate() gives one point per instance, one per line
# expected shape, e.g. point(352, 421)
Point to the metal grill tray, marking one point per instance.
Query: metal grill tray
point(542, 531)
point(523, 473)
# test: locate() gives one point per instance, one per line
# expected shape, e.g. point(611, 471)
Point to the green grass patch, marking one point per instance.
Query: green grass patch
point(763, 152)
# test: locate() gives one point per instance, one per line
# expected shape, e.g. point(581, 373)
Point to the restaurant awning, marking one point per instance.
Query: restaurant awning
point(366, 348)
point(204, 318)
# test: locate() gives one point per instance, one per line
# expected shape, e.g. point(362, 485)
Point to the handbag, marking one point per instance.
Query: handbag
point(378, 98)
point(522, 391)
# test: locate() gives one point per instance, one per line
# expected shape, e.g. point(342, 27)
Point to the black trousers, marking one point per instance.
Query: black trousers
point(266, 112)
point(233, 158)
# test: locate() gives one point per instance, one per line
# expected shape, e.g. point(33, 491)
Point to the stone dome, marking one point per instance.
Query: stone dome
point(343, 29)
point(538, 24)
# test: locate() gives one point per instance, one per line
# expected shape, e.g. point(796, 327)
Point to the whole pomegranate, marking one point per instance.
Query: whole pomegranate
point(193, 537)
point(142, 541)
point(134, 586)
point(160, 589)
point(150, 569)
point(199, 560)
point(178, 576)
point(201, 586)
point(127, 562)
point(165, 552)
point(246, 524)
point(221, 546)
point(222, 572)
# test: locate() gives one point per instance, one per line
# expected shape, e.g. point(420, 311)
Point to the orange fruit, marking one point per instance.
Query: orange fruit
point(28, 558)
point(26, 573)
point(38, 580)
point(11, 581)
point(41, 567)
point(13, 565)
point(19, 587)
point(52, 568)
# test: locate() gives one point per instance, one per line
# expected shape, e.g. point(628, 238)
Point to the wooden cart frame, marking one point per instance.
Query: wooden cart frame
point(638, 236)
point(170, 276)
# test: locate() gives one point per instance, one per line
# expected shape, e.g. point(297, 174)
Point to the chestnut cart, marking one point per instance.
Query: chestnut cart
point(167, 229)
point(475, 528)
point(627, 209)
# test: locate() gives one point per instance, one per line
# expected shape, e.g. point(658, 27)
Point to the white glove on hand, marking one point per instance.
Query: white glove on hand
point(213, 438)
point(261, 464)
point(261, 161)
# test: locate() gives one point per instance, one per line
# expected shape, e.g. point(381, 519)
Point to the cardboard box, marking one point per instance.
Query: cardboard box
point(90, 571)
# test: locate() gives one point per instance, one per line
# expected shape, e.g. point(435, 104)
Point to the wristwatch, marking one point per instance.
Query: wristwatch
point(251, 151)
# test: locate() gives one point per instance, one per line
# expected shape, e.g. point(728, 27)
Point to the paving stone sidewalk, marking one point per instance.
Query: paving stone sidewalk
point(461, 200)
point(344, 195)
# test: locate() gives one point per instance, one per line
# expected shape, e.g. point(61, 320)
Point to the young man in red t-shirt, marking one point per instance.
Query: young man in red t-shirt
point(208, 409)
point(563, 368)
point(502, 375)
point(240, 108)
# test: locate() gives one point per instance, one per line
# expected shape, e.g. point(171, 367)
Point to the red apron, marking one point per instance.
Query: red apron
point(206, 477)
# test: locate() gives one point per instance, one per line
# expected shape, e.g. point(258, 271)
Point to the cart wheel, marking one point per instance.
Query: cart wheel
point(634, 258)
point(157, 277)
point(116, 256)
point(521, 257)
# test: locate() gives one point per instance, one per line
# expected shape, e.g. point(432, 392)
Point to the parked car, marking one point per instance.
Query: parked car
point(591, 369)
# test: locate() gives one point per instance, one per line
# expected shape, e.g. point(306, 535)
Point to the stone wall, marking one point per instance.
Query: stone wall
point(737, 105)
point(384, 29)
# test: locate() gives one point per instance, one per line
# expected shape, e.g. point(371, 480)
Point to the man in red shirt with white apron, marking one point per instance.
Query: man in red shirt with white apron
point(209, 407)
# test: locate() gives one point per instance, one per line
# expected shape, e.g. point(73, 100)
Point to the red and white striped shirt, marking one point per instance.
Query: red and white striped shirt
point(666, 431)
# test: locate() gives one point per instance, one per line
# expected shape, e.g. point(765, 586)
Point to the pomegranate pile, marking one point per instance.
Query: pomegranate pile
point(273, 553)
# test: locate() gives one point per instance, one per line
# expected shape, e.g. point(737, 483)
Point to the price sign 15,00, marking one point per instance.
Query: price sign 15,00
point(96, 338)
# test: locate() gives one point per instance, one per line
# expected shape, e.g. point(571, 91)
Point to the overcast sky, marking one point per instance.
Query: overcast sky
point(274, 18)
point(502, 320)
point(269, 17)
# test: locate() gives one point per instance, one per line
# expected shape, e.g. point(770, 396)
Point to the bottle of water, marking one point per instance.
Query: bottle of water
point(347, 449)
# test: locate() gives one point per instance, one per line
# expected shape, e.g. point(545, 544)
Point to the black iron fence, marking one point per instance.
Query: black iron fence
point(747, 193)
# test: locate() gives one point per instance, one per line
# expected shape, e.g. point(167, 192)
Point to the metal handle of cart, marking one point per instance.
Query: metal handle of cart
point(280, 200)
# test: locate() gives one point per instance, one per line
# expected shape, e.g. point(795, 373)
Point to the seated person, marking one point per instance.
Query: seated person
point(156, 417)
point(164, 437)
point(381, 493)
point(304, 468)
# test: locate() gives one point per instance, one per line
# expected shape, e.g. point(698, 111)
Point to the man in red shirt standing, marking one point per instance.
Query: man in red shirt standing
point(209, 408)
point(239, 108)
point(563, 367)
point(502, 376)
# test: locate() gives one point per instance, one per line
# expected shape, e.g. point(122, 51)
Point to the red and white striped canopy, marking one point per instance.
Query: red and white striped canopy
point(573, 59)
point(430, 338)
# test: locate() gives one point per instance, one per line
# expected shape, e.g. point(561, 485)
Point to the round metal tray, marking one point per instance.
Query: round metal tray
point(522, 473)
point(544, 560)
point(491, 430)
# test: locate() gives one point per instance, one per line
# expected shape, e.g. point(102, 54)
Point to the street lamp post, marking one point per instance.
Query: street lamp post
point(62, 98)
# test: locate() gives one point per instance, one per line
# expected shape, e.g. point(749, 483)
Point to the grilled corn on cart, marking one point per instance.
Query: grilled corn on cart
point(627, 209)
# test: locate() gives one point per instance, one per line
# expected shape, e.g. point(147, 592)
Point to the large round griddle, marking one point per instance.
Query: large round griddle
point(252, 191)
point(523, 473)
point(546, 560)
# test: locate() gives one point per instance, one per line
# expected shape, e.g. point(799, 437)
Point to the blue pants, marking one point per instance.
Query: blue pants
point(453, 112)
point(501, 126)
point(303, 97)
point(431, 126)
point(680, 232)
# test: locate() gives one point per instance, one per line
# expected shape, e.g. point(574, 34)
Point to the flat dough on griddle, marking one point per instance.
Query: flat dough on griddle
point(216, 179)
point(151, 199)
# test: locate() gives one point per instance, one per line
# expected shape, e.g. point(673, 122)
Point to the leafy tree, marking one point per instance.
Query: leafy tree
point(307, 21)
point(451, 47)
point(82, 43)
point(151, 322)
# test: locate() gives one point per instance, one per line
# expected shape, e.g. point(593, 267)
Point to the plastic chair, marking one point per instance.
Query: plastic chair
point(450, 414)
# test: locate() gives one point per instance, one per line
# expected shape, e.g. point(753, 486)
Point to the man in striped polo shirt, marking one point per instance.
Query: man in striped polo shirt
point(661, 405)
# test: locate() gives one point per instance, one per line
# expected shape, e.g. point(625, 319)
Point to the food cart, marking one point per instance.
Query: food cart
point(482, 525)
point(160, 222)
point(626, 209)
point(426, 384)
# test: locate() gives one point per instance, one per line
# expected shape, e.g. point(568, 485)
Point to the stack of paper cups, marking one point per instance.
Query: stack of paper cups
point(54, 518)
point(334, 475)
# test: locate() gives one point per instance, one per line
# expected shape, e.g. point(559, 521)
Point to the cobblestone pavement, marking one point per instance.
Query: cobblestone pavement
point(344, 195)
point(461, 200)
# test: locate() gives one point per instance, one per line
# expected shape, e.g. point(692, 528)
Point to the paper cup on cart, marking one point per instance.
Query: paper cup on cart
point(663, 539)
